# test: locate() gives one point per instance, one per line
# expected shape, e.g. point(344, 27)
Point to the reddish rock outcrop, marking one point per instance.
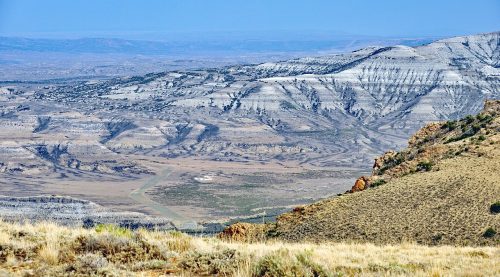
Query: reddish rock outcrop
point(361, 184)
point(424, 134)
point(244, 232)
point(382, 160)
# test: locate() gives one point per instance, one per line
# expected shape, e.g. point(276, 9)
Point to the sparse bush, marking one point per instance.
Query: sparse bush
point(481, 138)
point(377, 183)
point(277, 263)
point(314, 269)
point(479, 254)
point(149, 265)
point(49, 254)
point(489, 233)
point(424, 166)
point(476, 128)
point(113, 229)
point(495, 208)
point(118, 248)
point(88, 223)
point(484, 118)
point(89, 263)
point(179, 242)
point(221, 262)
point(466, 134)
point(450, 125)
point(398, 159)
point(282, 263)
point(9, 251)
point(436, 238)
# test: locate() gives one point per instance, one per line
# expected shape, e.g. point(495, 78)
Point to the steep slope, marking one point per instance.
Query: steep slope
point(442, 189)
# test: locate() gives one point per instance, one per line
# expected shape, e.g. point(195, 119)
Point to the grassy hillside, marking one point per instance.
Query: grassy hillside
point(442, 189)
point(50, 250)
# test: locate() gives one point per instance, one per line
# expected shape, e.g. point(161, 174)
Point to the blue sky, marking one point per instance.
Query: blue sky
point(408, 18)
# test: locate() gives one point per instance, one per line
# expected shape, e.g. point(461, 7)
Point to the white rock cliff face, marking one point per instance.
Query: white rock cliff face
point(339, 110)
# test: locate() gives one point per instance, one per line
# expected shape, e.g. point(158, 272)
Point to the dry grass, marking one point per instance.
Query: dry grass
point(449, 202)
point(48, 250)
point(447, 206)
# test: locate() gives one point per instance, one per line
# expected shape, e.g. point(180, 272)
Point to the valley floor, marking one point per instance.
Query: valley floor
point(195, 189)
point(46, 249)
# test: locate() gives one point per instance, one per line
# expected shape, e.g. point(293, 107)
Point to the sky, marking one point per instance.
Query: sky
point(122, 18)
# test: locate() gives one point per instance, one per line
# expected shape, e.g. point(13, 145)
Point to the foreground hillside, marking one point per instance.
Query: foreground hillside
point(442, 189)
point(49, 250)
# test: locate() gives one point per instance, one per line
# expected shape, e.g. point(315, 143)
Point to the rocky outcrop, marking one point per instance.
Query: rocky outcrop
point(244, 232)
point(381, 161)
point(361, 183)
point(434, 142)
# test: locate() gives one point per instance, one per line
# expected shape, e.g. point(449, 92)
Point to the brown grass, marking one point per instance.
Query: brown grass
point(447, 203)
point(450, 205)
point(48, 250)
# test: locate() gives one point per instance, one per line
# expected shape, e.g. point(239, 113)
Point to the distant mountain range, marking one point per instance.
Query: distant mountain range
point(336, 110)
point(34, 59)
point(199, 46)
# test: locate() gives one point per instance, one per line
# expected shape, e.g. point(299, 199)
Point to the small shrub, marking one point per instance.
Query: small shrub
point(450, 125)
point(92, 261)
point(424, 166)
point(149, 265)
point(437, 238)
point(479, 254)
point(484, 118)
point(469, 119)
point(282, 263)
point(481, 138)
point(476, 128)
point(179, 242)
point(277, 263)
point(377, 183)
point(398, 159)
point(221, 262)
point(313, 269)
point(88, 223)
point(114, 230)
point(118, 248)
point(489, 233)
point(49, 254)
point(89, 264)
point(495, 208)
